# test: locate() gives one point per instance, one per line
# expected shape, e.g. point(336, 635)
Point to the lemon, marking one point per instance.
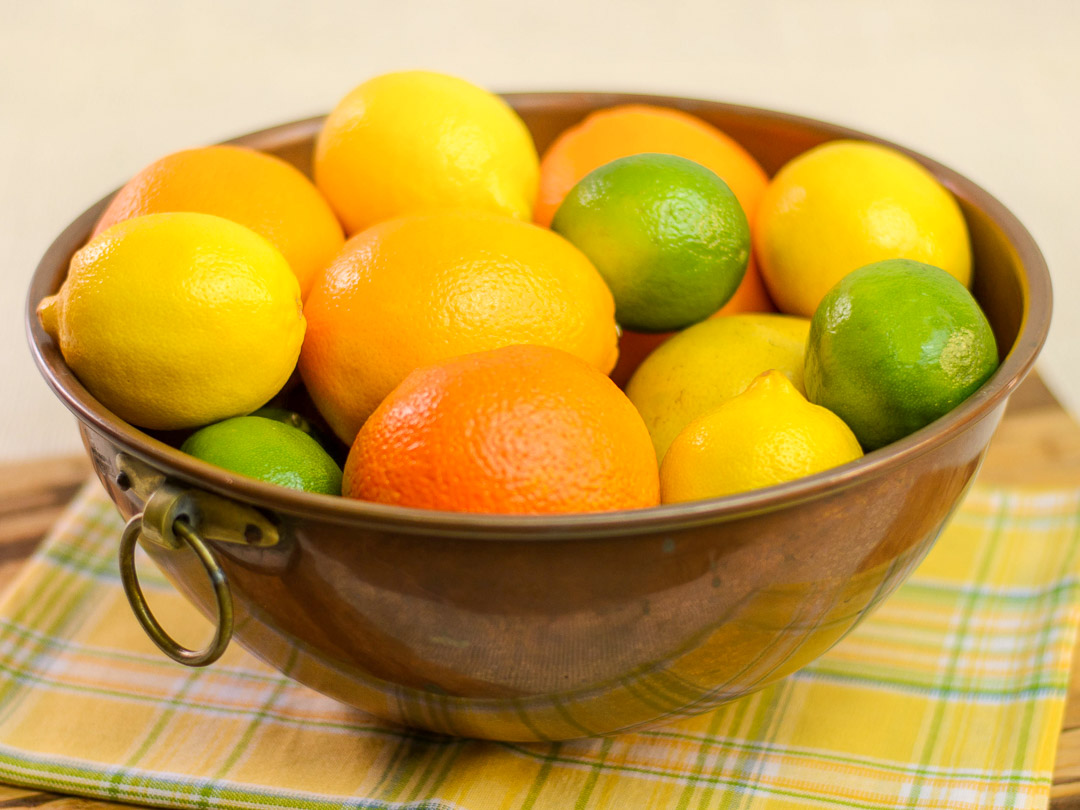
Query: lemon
point(697, 369)
point(766, 435)
point(269, 450)
point(845, 204)
point(667, 234)
point(177, 320)
point(894, 346)
point(413, 141)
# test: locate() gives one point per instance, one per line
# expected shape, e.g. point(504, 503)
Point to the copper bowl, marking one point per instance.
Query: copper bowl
point(550, 628)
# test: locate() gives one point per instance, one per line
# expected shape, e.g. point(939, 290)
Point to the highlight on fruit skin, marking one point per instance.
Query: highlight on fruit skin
point(522, 429)
point(414, 141)
point(177, 320)
point(767, 435)
point(251, 188)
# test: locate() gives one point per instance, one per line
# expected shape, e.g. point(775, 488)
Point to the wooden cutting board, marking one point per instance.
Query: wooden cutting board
point(1037, 444)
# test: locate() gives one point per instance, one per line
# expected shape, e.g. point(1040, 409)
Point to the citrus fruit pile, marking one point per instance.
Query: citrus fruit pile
point(442, 319)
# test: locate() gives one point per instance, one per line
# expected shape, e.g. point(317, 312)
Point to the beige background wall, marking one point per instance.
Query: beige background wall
point(91, 92)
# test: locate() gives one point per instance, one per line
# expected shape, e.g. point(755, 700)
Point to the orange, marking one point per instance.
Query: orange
point(255, 189)
point(617, 132)
point(422, 288)
point(520, 429)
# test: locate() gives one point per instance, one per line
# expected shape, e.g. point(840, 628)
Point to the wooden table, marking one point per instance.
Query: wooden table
point(1036, 444)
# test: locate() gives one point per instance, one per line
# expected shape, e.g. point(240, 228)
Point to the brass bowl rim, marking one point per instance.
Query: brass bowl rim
point(1034, 327)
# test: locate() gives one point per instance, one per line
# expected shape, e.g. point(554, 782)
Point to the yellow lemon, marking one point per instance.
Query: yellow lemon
point(845, 204)
point(697, 369)
point(767, 435)
point(416, 141)
point(177, 320)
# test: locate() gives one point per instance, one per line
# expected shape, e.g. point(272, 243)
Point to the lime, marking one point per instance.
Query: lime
point(694, 371)
point(268, 450)
point(667, 235)
point(895, 345)
point(766, 435)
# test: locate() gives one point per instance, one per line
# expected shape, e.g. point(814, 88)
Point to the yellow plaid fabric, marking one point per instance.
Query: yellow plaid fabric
point(949, 696)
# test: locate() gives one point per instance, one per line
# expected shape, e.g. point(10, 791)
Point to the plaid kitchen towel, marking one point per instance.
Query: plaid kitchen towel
point(949, 696)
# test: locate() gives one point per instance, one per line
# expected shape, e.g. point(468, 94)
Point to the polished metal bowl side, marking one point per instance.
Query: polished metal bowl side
point(539, 628)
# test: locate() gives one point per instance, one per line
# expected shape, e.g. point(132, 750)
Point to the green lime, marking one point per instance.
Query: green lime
point(894, 346)
point(667, 235)
point(268, 450)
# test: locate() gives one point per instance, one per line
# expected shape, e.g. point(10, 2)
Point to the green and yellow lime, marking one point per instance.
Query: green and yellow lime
point(269, 450)
point(894, 346)
point(667, 235)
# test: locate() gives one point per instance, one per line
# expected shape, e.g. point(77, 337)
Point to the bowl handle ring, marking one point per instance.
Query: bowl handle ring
point(186, 534)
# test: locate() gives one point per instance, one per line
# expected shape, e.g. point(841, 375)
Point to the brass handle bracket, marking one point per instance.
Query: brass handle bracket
point(220, 520)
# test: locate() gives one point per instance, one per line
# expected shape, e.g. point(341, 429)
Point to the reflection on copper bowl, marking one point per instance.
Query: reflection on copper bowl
point(547, 628)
